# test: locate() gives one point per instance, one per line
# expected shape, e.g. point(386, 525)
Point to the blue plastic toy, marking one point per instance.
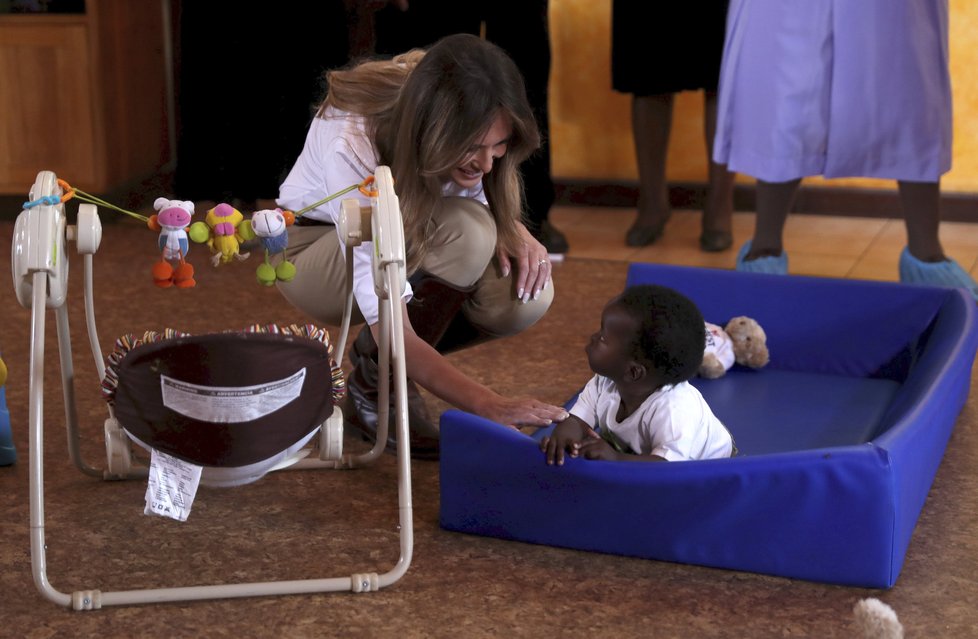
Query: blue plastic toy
point(8, 455)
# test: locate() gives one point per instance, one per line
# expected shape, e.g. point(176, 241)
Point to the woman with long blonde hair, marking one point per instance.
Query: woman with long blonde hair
point(453, 124)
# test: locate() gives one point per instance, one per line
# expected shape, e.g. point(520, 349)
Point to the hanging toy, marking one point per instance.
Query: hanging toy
point(171, 222)
point(223, 231)
point(270, 227)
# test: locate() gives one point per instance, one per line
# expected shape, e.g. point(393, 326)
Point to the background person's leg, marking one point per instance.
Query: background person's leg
point(718, 208)
point(651, 126)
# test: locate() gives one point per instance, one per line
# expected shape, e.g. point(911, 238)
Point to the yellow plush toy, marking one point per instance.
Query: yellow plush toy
point(223, 229)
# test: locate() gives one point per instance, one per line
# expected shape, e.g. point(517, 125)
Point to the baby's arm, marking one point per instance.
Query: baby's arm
point(597, 448)
point(566, 436)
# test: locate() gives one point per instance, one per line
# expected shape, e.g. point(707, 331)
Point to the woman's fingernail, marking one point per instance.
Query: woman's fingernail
point(519, 294)
point(526, 298)
point(536, 294)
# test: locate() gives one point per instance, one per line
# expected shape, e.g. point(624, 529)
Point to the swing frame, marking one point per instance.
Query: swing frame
point(40, 274)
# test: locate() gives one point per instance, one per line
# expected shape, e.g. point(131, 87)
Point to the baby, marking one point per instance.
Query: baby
point(640, 406)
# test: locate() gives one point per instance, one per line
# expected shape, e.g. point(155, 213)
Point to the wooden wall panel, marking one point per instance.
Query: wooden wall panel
point(45, 112)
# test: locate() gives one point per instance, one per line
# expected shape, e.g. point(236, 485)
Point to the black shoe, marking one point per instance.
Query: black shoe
point(715, 241)
point(639, 235)
point(551, 238)
point(360, 412)
point(361, 408)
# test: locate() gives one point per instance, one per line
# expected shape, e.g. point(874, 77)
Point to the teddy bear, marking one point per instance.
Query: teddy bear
point(742, 341)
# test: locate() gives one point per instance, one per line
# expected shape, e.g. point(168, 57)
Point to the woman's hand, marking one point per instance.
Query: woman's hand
point(520, 411)
point(532, 265)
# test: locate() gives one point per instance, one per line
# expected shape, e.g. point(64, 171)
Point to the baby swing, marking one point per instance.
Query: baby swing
point(231, 450)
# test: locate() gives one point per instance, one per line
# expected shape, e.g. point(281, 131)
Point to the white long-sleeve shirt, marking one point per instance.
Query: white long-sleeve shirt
point(338, 153)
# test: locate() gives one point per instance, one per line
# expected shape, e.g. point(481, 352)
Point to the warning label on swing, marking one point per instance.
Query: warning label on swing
point(230, 404)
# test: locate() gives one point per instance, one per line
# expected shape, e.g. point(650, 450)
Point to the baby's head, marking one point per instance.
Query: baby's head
point(650, 326)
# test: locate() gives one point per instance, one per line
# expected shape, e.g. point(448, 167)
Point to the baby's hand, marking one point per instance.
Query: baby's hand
point(566, 437)
point(553, 448)
point(596, 448)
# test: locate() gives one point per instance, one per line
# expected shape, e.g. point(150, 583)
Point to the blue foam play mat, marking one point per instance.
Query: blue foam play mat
point(840, 437)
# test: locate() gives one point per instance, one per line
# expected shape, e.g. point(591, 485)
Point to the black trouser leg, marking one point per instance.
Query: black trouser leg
point(433, 310)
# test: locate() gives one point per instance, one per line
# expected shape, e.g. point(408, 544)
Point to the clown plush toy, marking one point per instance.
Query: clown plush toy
point(223, 231)
point(171, 222)
point(270, 227)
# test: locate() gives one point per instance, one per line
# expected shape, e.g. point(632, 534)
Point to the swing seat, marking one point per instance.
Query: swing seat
point(841, 436)
point(239, 404)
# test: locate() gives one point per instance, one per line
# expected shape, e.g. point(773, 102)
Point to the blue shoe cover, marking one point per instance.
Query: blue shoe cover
point(7, 453)
point(947, 273)
point(772, 265)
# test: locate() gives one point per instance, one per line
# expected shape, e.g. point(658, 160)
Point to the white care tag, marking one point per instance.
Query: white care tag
point(172, 486)
point(230, 404)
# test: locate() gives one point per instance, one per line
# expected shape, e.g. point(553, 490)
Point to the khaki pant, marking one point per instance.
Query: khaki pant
point(462, 253)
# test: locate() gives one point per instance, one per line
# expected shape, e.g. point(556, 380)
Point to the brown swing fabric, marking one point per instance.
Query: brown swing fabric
point(260, 355)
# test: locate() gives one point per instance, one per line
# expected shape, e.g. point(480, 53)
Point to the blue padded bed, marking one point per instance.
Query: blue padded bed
point(840, 438)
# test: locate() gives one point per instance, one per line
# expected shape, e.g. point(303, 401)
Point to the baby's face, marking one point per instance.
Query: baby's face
point(609, 351)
